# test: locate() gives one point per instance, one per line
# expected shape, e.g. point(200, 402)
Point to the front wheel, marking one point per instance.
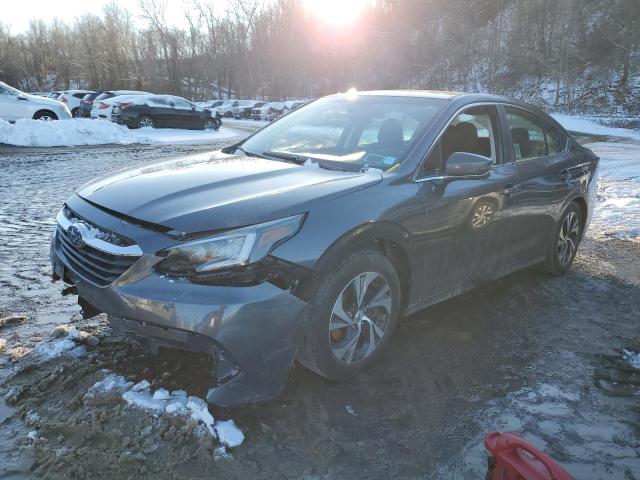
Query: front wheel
point(145, 122)
point(45, 116)
point(355, 309)
point(74, 112)
point(564, 246)
point(209, 124)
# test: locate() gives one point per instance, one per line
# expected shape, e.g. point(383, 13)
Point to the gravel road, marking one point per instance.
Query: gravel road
point(531, 353)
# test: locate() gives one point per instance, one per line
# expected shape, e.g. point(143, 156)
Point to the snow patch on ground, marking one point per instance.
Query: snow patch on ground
point(632, 357)
point(54, 348)
point(176, 403)
point(245, 123)
point(82, 131)
point(617, 213)
point(583, 125)
point(64, 340)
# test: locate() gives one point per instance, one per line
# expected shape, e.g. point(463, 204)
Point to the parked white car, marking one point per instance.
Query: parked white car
point(72, 99)
point(102, 107)
point(226, 109)
point(15, 105)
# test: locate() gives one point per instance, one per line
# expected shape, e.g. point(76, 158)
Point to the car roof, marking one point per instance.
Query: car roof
point(412, 93)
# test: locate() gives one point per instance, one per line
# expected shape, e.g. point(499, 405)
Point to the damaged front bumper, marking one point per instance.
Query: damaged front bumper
point(253, 331)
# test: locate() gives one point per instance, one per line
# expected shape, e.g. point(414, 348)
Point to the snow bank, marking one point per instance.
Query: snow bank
point(583, 125)
point(176, 403)
point(617, 213)
point(83, 131)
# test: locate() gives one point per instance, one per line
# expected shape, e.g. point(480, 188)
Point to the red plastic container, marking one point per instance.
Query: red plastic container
point(513, 458)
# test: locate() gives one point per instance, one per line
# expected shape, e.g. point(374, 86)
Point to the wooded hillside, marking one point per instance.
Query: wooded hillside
point(571, 54)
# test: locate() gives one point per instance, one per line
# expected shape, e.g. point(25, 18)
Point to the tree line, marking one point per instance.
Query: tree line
point(570, 54)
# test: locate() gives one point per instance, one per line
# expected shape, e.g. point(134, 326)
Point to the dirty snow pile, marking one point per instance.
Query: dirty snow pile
point(65, 340)
point(83, 131)
point(176, 403)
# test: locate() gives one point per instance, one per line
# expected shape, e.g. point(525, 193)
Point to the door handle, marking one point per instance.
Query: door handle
point(510, 189)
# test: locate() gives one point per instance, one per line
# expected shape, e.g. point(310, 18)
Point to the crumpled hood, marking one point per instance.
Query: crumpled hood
point(216, 191)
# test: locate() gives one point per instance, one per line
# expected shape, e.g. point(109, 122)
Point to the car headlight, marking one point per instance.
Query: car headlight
point(230, 249)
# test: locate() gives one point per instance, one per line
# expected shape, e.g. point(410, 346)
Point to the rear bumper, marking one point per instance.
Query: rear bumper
point(252, 331)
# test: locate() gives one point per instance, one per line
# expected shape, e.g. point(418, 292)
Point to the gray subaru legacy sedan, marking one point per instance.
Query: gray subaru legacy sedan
point(309, 240)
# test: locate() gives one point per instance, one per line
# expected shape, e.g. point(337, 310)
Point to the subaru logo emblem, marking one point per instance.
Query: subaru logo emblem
point(75, 236)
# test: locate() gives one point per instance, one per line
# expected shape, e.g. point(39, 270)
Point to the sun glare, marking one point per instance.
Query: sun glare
point(336, 12)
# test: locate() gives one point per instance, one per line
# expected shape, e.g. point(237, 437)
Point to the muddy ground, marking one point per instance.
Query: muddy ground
point(531, 353)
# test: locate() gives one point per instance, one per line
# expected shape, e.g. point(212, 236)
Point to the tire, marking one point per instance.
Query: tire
point(45, 116)
point(74, 112)
point(145, 121)
point(344, 351)
point(567, 235)
point(209, 124)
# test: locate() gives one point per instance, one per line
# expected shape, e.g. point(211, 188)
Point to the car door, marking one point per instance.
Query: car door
point(468, 220)
point(11, 107)
point(183, 115)
point(541, 157)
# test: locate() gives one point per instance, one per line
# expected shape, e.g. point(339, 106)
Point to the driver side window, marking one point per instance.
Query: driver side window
point(472, 131)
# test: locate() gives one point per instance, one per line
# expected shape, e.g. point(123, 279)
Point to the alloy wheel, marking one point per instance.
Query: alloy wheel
point(46, 118)
point(360, 317)
point(482, 215)
point(568, 238)
point(145, 122)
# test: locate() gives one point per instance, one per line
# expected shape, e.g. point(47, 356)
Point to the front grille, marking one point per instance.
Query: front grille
point(98, 267)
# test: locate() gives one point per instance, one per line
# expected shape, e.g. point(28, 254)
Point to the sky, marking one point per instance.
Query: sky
point(14, 14)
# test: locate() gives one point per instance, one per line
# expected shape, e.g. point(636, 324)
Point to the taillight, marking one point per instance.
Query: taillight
point(103, 105)
point(124, 106)
point(64, 99)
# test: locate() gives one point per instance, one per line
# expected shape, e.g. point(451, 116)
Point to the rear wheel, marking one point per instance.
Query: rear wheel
point(45, 116)
point(355, 309)
point(145, 121)
point(74, 112)
point(565, 242)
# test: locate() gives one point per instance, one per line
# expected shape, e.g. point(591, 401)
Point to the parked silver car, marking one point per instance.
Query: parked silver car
point(15, 105)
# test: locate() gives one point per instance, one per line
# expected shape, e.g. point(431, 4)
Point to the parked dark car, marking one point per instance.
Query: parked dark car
point(84, 110)
point(163, 111)
point(309, 239)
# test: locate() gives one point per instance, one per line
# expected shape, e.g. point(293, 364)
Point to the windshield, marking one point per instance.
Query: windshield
point(10, 90)
point(373, 131)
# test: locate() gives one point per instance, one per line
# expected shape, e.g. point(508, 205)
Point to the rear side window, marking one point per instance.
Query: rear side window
point(79, 95)
point(526, 134)
point(556, 141)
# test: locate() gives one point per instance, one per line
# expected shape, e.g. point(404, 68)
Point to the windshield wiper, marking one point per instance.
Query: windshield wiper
point(248, 153)
point(289, 157)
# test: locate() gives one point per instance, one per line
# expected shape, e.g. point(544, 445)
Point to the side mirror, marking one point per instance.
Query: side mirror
point(462, 164)
point(22, 97)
